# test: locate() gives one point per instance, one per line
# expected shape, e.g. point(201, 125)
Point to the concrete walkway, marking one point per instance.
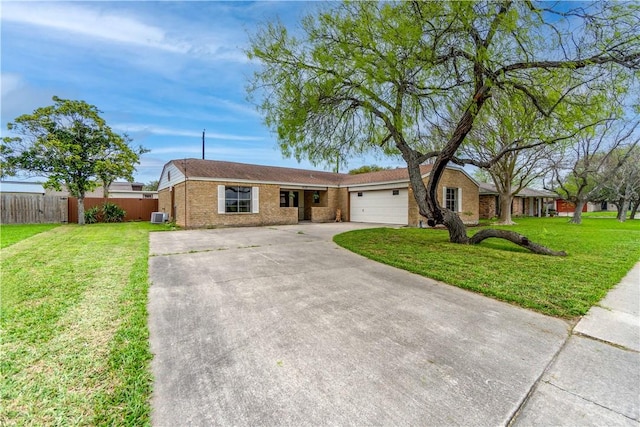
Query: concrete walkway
point(595, 380)
point(279, 326)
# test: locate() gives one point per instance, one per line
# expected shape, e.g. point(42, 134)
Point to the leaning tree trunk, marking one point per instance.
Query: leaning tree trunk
point(429, 207)
point(577, 213)
point(426, 195)
point(516, 238)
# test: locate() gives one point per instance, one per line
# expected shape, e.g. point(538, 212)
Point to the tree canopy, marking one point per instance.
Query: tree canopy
point(410, 78)
point(367, 169)
point(70, 144)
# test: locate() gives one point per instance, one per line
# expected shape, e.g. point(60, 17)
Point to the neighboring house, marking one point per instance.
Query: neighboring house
point(21, 187)
point(208, 193)
point(117, 190)
point(567, 208)
point(528, 202)
point(601, 207)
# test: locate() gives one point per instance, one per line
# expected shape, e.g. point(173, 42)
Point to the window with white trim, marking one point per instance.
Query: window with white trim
point(237, 199)
point(451, 200)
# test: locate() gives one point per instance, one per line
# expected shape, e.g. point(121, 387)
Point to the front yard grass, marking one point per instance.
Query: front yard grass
point(13, 233)
point(74, 344)
point(600, 253)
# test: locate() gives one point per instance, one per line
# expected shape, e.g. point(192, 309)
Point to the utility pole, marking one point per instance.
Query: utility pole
point(203, 143)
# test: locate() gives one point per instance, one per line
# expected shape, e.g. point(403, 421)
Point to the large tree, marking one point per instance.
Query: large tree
point(527, 139)
point(70, 144)
point(366, 76)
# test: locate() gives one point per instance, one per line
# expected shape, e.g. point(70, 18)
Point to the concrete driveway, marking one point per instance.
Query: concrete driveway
point(280, 326)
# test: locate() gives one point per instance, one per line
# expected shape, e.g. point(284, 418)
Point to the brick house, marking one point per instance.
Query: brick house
point(209, 193)
point(528, 202)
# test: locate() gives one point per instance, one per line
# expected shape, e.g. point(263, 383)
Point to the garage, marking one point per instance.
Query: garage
point(380, 206)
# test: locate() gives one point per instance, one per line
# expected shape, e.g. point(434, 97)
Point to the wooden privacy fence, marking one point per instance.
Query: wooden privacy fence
point(32, 209)
point(137, 209)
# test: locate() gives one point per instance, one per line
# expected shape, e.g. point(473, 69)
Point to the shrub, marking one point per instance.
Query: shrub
point(112, 212)
point(91, 216)
point(108, 212)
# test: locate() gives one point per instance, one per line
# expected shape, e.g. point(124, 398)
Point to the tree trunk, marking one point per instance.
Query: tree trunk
point(105, 189)
point(622, 210)
point(81, 210)
point(577, 212)
point(634, 208)
point(505, 209)
point(516, 238)
point(426, 195)
point(455, 226)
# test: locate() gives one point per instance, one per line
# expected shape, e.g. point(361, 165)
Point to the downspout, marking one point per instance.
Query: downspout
point(184, 163)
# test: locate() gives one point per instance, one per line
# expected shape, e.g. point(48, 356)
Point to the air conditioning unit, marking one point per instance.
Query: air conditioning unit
point(158, 217)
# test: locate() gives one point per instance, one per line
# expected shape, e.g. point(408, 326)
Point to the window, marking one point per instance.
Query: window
point(451, 199)
point(168, 175)
point(237, 199)
point(316, 197)
point(395, 192)
point(359, 194)
point(289, 199)
point(147, 196)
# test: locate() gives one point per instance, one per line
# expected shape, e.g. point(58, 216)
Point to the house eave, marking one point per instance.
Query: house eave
point(291, 185)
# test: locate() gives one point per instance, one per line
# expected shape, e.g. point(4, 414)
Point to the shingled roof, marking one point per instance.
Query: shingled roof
point(387, 175)
point(197, 168)
point(490, 189)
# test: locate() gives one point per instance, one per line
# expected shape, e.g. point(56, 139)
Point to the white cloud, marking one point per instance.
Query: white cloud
point(159, 130)
point(92, 23)
point(117, 26)
point(246, 109)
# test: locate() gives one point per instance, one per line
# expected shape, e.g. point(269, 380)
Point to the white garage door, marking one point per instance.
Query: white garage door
point(381, 206)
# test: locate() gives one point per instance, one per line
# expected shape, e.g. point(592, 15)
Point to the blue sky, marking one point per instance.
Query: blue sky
point(160, 71)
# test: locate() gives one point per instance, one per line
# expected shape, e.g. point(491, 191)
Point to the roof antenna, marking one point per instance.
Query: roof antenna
point(203, 143)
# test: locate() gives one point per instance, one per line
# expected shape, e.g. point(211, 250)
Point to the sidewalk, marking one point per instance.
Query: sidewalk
point(595, 378)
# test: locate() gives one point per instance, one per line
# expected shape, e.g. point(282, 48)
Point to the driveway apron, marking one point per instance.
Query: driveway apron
point(280, 326)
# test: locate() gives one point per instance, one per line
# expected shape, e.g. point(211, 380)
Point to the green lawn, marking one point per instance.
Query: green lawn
point(12, 233)
point(74, 344)
point(600, 253)
point(603, 214)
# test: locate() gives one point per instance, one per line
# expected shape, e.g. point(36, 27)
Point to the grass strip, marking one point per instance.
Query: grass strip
point(600, 253)
point(13, 233)
point(74, 335)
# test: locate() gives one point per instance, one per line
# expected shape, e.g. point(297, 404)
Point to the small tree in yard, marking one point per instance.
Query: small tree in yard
point(411, 78)
point(623, 187)
point(71, 145)
point(585, 168)
point(117, 163)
